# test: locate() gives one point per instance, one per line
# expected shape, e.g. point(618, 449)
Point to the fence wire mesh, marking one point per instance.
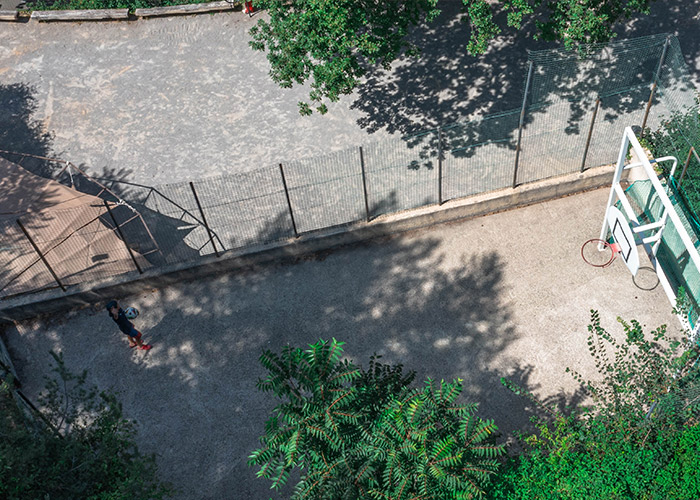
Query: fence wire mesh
point(575, 107)
point(596, 69)
point(325, 191)
point(541, 157)
point(479, 155)
point(65, 247)
point(402, 173)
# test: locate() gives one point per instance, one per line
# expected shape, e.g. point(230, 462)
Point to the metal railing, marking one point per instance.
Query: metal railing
point(575, 107)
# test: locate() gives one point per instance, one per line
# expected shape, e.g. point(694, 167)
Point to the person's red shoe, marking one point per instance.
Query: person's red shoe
point(146, 347)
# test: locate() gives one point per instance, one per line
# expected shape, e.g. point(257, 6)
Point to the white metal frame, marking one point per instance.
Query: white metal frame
point(650, 234)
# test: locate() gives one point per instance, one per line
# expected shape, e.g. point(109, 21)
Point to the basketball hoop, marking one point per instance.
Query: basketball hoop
point(599, 253)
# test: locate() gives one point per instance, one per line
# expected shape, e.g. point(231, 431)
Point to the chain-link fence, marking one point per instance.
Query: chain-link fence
point(575, 108)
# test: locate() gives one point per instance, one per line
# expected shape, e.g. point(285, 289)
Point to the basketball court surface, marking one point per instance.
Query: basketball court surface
point(505, 295)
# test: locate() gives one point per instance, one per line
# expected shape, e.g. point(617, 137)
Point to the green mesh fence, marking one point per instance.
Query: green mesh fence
point(541, 157)
point(326, 191)
point(402, 173)
point(615, 112)
point(672, 255)
point(597, 69)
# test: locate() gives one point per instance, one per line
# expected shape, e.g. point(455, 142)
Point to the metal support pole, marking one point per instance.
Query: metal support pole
point(364, 182)
point(520, 125)
point(121, 235)
point(41, 255)
point(289, 202)
point(37, 412)
point(590, 134)
point(653, 86)
point(204, 220)
point(685, 167)
point(439, 166)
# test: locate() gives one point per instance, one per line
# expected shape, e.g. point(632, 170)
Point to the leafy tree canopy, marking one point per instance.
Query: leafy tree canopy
point(355, 433)
point(331, 43)
point(80, 446)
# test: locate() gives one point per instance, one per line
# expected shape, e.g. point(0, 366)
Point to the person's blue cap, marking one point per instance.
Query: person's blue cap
point(111, 304)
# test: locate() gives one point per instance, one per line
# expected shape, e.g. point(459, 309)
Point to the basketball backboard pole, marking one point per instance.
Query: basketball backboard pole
point(651, 241)
point(649, 234)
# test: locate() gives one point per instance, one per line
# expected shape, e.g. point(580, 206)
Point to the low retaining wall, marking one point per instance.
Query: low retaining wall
point(9, 15)
point(117, 14)
point(96, 292)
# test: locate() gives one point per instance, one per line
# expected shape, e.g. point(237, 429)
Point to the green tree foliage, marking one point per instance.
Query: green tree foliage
point(332, 43)
point(81, 448)
point(676, 135)
point(355, 433)
point(638, 439)
point(578, 21)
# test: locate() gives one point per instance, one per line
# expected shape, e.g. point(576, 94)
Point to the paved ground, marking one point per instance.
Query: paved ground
point(178, 98)
point(502, 295)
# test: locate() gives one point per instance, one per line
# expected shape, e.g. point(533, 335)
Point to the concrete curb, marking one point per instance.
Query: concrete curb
point(116, 14)
point(176, 10)
point(9, 15)
point(79, 15)
point(87, 294)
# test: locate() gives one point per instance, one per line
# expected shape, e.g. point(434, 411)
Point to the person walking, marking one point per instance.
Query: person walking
point(126, 326)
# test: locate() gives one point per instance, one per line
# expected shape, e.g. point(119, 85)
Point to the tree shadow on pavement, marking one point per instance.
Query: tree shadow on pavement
point(21, 133)
point(446, 86)
point(194, 394)
point(393, 300)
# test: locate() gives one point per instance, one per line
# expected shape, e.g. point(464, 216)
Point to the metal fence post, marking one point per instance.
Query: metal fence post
point(364, 182)
point(520, 125)
point(653, 85)
point(121, 235)
point(439, 165)
point(41, 255)
point(590, 134)
point(289, 202)
point(685, 167)
point(204, 220)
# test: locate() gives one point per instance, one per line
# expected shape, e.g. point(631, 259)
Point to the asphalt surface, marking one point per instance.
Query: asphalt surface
point(506, 295)
point(180, 98)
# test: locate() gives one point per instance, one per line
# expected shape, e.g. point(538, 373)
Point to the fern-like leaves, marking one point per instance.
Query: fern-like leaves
point(357, 433)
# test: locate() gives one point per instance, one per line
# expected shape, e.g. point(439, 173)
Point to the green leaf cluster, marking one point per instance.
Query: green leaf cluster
point(577, 22)
point(356, 433)
point(79, 447)
point(332, 42)
point(675, 136)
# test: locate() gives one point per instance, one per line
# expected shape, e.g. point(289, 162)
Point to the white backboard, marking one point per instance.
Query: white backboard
point(622, 235)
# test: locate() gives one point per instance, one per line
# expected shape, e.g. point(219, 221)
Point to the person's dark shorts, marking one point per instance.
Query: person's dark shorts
point(133, 333)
